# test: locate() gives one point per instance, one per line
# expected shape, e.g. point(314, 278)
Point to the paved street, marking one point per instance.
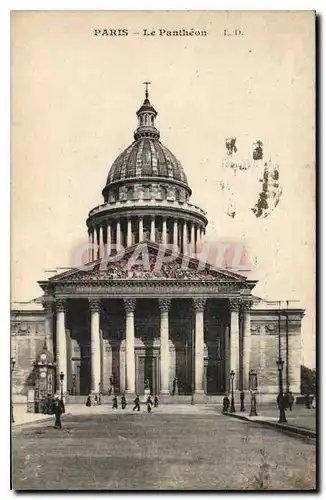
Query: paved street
point(300, 416)
point(172, 448)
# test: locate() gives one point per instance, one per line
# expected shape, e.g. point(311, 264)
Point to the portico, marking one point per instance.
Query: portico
point(151, 328)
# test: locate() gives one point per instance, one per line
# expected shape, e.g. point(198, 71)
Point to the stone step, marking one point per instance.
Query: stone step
point(180, 399)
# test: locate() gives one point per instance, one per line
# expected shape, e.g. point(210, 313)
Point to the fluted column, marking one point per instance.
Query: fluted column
point(192, 238)
point(197, 245)
point(246, 343)
point(141, 229)
point(234, 340)
point(118, 232)
point(89, 255)
point(185, 238)
point(93, 243)
point(95, 345)
point(152, 236)
point(227, 358)
point(129, 233)
point(48, 333)
point(130, 305)
point(108, 239)
point(101, 241)
point(61, 345)
point(175, 232)
point(199, 305)
point(164, 232)
point(164, 305)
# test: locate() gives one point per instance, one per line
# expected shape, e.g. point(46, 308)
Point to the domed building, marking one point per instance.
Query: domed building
point(145, 310)
point(146, 195)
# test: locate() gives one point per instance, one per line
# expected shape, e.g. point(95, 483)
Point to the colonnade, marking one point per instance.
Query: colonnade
point(184, 234)
point(231, 341)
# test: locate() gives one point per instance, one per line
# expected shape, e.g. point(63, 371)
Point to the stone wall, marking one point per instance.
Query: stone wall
point(27, 339)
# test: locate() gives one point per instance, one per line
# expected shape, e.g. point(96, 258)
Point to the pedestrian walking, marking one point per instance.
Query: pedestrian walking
point(155, 401)
point(291, 400)
point(115, 403)
point(242, 398)
point(89, 400)
point(95, 401)
point(123, 402)
point(58, 410)
point(111, 390)
point(137, 404)
point(149, 404)
point(226, 404)
point(174, 385)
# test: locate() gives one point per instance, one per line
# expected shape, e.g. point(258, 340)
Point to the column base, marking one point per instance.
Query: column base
point(165, 392)
point(199, 392)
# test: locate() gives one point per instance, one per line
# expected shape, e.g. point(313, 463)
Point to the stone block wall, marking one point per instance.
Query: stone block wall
point(27, 339)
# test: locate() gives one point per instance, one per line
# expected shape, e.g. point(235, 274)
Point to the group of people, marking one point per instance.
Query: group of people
point(115, 405)
point(149, 403)
point(285, 401)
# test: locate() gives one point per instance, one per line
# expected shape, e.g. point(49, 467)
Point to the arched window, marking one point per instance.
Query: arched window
point(177, 195)
point(130, 193)
point(146, 119)
point(141, 120)
point(163, 193)
point(152, 120)
point(147, 193)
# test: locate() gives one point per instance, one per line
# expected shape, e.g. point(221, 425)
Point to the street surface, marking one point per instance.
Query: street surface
point(174, 447)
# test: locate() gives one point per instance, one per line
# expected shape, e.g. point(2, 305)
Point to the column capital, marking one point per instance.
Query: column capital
point(60, 305)
point(47, 306)
point(94, 305)
point(246, 305)
point(199, 304)
point(164, 304)
point(129, 305)
point(234, 305)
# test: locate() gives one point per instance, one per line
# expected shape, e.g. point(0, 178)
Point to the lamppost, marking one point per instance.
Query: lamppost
point(99, 394)
point(232, 375)
point(280, 365)
point(12, 367)
point(253, 389)
point(62, 376)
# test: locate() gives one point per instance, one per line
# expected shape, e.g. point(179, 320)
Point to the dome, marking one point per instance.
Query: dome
point(146, 157)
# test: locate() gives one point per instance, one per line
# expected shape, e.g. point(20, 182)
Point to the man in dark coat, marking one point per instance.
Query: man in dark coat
point(137, 404)
point(291, 400)
point(89, 400)
point(155, 402)
point(58, 410)
point(149, 404)
point(226, 404)
point(123, 402)
point(115, 403)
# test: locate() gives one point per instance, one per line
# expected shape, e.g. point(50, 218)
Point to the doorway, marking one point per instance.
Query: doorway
point(147, 369)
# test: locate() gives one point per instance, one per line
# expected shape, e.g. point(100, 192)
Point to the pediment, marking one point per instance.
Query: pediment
point(148, 261)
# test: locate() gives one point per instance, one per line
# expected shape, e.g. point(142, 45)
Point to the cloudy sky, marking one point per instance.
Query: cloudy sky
point(74, 98)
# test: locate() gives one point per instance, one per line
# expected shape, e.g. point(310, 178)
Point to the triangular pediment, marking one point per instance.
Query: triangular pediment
point(148, 260)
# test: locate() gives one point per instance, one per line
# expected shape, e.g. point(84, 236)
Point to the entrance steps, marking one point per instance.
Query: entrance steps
point(166, 399)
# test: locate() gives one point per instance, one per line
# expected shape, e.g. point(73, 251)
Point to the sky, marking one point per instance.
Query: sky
point(74, 99)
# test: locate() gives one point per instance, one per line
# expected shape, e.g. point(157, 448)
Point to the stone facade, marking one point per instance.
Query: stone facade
point(132, 320)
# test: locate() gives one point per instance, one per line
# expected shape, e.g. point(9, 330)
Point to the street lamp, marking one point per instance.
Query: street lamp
point(253, 389)
point(62, 376)
point(280, 365)
point(12, 367)
point(232, 375)
point(99, 394)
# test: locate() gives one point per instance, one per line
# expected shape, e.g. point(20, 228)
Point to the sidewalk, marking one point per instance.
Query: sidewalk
point(21, 416)
point(300, 420)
